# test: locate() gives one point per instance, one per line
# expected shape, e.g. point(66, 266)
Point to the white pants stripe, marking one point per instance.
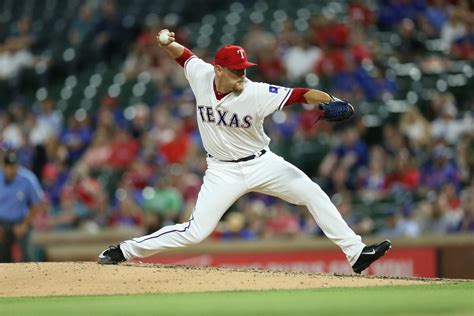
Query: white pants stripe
point(225, 182)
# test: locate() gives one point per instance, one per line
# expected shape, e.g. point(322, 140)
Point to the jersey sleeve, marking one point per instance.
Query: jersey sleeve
point(270, 98)
point(195, 68)
point(297, 96)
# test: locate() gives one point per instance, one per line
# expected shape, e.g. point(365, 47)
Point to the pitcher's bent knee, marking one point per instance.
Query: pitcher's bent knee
point(198, 236)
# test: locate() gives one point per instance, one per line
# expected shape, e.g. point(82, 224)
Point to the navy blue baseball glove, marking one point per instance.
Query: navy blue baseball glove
point(336, 110)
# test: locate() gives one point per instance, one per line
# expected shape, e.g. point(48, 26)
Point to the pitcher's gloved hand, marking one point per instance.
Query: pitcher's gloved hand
point(336, 110)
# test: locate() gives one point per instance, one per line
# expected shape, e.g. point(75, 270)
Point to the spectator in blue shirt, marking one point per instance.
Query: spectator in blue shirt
point(20, 199)
point(351, 154)
point(440, 170)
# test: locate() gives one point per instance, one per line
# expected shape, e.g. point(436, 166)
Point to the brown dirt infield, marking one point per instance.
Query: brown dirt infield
point(90, 278)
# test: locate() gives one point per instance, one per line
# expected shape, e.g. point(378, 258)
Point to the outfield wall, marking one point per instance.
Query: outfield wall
point(430, 256)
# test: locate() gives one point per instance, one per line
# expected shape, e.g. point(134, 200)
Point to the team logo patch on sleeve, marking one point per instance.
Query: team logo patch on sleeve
point(273, 89)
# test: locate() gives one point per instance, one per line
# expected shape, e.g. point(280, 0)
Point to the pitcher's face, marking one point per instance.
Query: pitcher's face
point(230, 80)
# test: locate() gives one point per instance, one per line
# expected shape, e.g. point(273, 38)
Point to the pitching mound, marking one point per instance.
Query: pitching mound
point(88, 278)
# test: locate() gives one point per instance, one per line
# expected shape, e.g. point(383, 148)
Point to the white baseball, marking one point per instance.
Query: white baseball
point(164, 38)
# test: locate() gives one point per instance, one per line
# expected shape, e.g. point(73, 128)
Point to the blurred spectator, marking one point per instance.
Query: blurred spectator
point(347, 83)
point(163, 203)
point(78, 200)
point(411, 48)
point(416, 128)
point(398, 224)
point(287, 37)
point(332, 61)
point(127, 212)
point(54, 177)
point(69, 214)
point(393, 140)
point(138, 176)
point(463, 46)
point(19, 108)
point(11, 132)
point(137, 61)
point(360, 223)
point(51, 116)
point(82, 26)
point(423, 211)
point(336, 33)
point(39, 130)
point(437, 14)
point(123, 149)
point(351, 153)
point(299, 58)
point(441, 220)
point(378, 86)
point(110, 113)
point(340, 181)
point(99, 152)
point(404, 174)
point(281, 222)
point(24, 34)
point(446, 126)
point(466, 223)
point(234, 226)
point(270, 65)
point(140, 121)
point(439, 170)
point(108, 33)
point(16, 51)
point(14, 57)
point(256, 213)
point(465, 157)
point(144, 55)
point(359, 46)
point(373, 181)
point(320, 29)
point(76, 136)
point(454, 201)
point(453, 29)
point(256, 39)
point(177, 146)
point(88, 190)
point(359, 12)
point(391, 12)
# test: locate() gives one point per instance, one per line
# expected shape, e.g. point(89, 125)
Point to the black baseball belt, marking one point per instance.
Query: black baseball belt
point(256, 155)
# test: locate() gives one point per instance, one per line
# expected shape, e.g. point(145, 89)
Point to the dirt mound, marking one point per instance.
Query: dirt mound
point(90, 278)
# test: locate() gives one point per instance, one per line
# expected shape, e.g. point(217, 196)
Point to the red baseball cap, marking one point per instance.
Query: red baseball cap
point(232, 57)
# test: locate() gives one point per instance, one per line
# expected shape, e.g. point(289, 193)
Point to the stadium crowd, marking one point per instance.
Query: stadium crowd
point(141, 164)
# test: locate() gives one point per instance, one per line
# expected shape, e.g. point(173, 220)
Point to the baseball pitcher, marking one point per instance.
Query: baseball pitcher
point(230, 109)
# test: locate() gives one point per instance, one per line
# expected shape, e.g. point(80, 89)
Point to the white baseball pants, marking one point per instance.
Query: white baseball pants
point(225, 182)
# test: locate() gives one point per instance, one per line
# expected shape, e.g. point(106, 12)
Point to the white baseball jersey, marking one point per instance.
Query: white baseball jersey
point(232, 128)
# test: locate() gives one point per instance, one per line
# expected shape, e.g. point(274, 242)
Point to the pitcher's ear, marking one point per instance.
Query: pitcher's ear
point(218, 69)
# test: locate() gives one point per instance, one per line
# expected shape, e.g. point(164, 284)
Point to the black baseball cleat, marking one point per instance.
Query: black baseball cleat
point(370, 254)
point(112, 255)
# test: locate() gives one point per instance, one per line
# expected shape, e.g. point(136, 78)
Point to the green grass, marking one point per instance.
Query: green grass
point(431, 299)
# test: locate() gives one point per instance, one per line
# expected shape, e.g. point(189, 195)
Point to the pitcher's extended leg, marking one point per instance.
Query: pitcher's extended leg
point(286, 181)
point(220, 189)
